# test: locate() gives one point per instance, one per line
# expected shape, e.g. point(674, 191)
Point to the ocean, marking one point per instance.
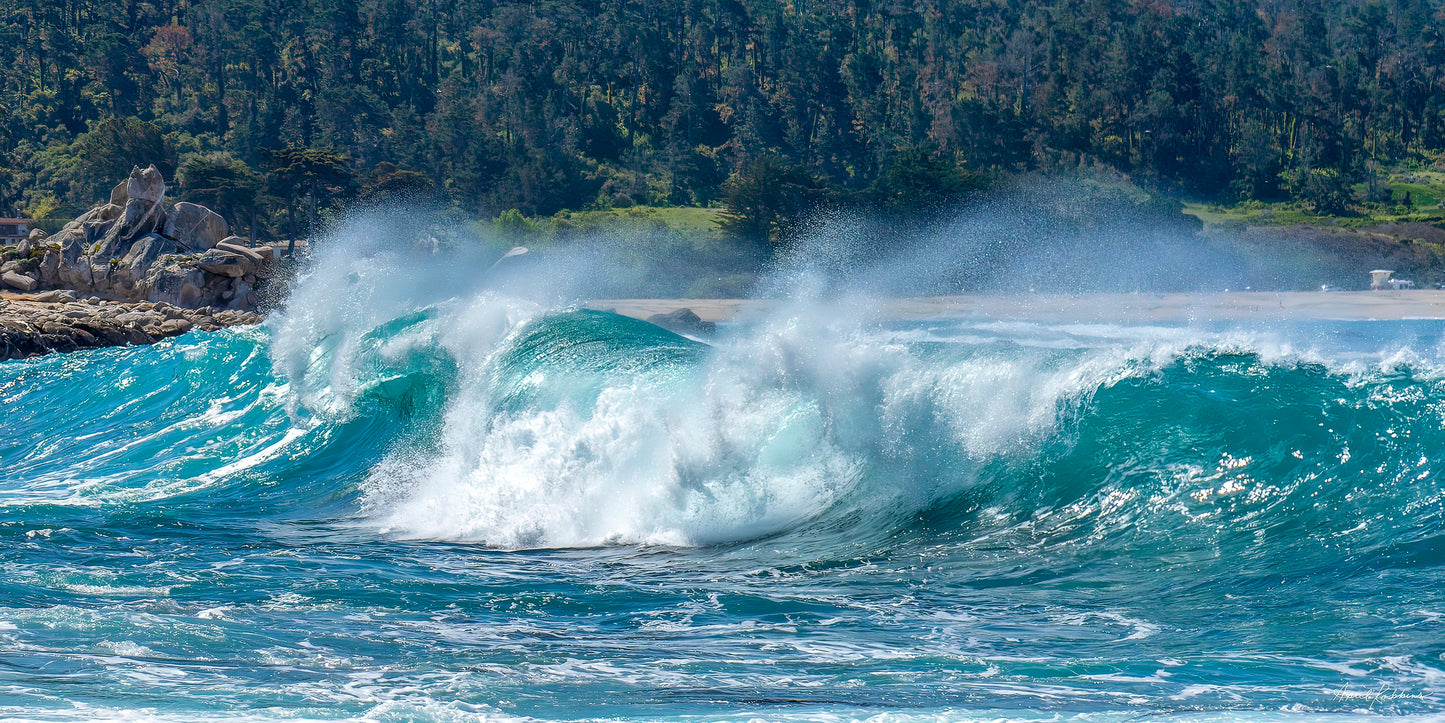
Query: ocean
point(392, 506)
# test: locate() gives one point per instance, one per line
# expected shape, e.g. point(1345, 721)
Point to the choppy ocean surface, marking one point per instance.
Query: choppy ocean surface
point(480, 508)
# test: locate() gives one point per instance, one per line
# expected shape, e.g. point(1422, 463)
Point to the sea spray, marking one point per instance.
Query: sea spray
point(569, 428)
point(575, 428)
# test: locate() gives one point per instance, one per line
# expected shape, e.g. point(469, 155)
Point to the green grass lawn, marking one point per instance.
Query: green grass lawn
point(1426, 189)
point(1424, 195)
point(689, 220)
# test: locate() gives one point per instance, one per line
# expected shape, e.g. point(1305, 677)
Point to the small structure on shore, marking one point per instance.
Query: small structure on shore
point(14, 230)
point(1381, 279)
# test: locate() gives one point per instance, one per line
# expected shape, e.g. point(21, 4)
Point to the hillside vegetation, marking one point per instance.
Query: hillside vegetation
point(268, 109)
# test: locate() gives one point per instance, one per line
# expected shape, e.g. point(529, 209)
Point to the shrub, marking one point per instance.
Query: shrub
point(768, 198)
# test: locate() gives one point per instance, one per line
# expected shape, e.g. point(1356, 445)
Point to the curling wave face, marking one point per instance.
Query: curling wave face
point(396, 502)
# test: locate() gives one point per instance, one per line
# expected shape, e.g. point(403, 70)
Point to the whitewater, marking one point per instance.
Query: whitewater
point(424, 491)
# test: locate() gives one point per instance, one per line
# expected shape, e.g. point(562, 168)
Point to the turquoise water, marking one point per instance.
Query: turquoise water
point(484, 509)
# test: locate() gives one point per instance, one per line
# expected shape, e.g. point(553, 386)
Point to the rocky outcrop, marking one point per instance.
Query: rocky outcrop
point(198, 227)
point(50, 321)
point(18, 281)
point(36, 236)
point(683, 321)
point(137, 247)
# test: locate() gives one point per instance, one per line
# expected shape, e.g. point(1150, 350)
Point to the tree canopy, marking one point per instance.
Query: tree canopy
point(222, 182)
point(556, 104)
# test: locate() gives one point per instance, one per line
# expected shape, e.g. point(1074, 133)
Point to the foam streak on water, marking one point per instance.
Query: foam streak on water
point(398, 501)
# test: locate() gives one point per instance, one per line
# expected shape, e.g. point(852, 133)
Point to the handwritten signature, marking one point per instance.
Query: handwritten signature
point(1376, 695)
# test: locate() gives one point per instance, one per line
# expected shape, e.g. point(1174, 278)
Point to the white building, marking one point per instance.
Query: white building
point(14, 230)
point(1384, 279)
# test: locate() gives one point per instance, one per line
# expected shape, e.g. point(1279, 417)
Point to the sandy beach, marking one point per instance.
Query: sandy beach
point(1155, 308)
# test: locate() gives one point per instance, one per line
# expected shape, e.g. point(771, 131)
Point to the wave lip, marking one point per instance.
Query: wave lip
point(584, 428)
point(623, 434)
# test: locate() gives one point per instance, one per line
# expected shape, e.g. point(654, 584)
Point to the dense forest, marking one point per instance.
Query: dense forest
point(267, 106)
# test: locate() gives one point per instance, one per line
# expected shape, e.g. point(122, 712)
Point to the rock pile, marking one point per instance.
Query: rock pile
point(139, 248)
point(58, 321)
point(683, 321)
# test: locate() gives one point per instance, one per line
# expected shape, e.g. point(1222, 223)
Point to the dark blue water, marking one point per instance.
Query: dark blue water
point(485, 510)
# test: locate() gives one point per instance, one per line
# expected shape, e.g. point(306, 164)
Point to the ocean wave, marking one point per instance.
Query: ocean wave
point(572, 428)
point(393, 397)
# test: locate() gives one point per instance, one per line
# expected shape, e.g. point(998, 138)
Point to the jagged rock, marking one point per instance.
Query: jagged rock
point(226, 263)
point(142, 217)
point(68, 238)
point(18, 281)
point(118, 196)
point(83, 338)
point(56, 296)
point(36, 235)
point(134, 248)
point(136, 336)
point(56, 342)
point(139, 317)
point(50, 267)
point(103, 212)
point(31, 327)
point(196, 227)
point(240, 289)
point(126, 277)
point(144, 192)
point(172, 327)
point(146, 250)
point(106, 334)
point(683, 321)
point(23, 248)
point(229, 245)
point(176, 282)
point(145, 184)
point(75, 273)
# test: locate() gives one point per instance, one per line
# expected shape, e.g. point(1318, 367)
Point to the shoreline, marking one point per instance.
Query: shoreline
point(1099, 307)
point(40, 323)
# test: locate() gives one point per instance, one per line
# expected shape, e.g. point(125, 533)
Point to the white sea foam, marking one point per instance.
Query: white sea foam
point(459, 713)
point(775, 427)
point(808, 411)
